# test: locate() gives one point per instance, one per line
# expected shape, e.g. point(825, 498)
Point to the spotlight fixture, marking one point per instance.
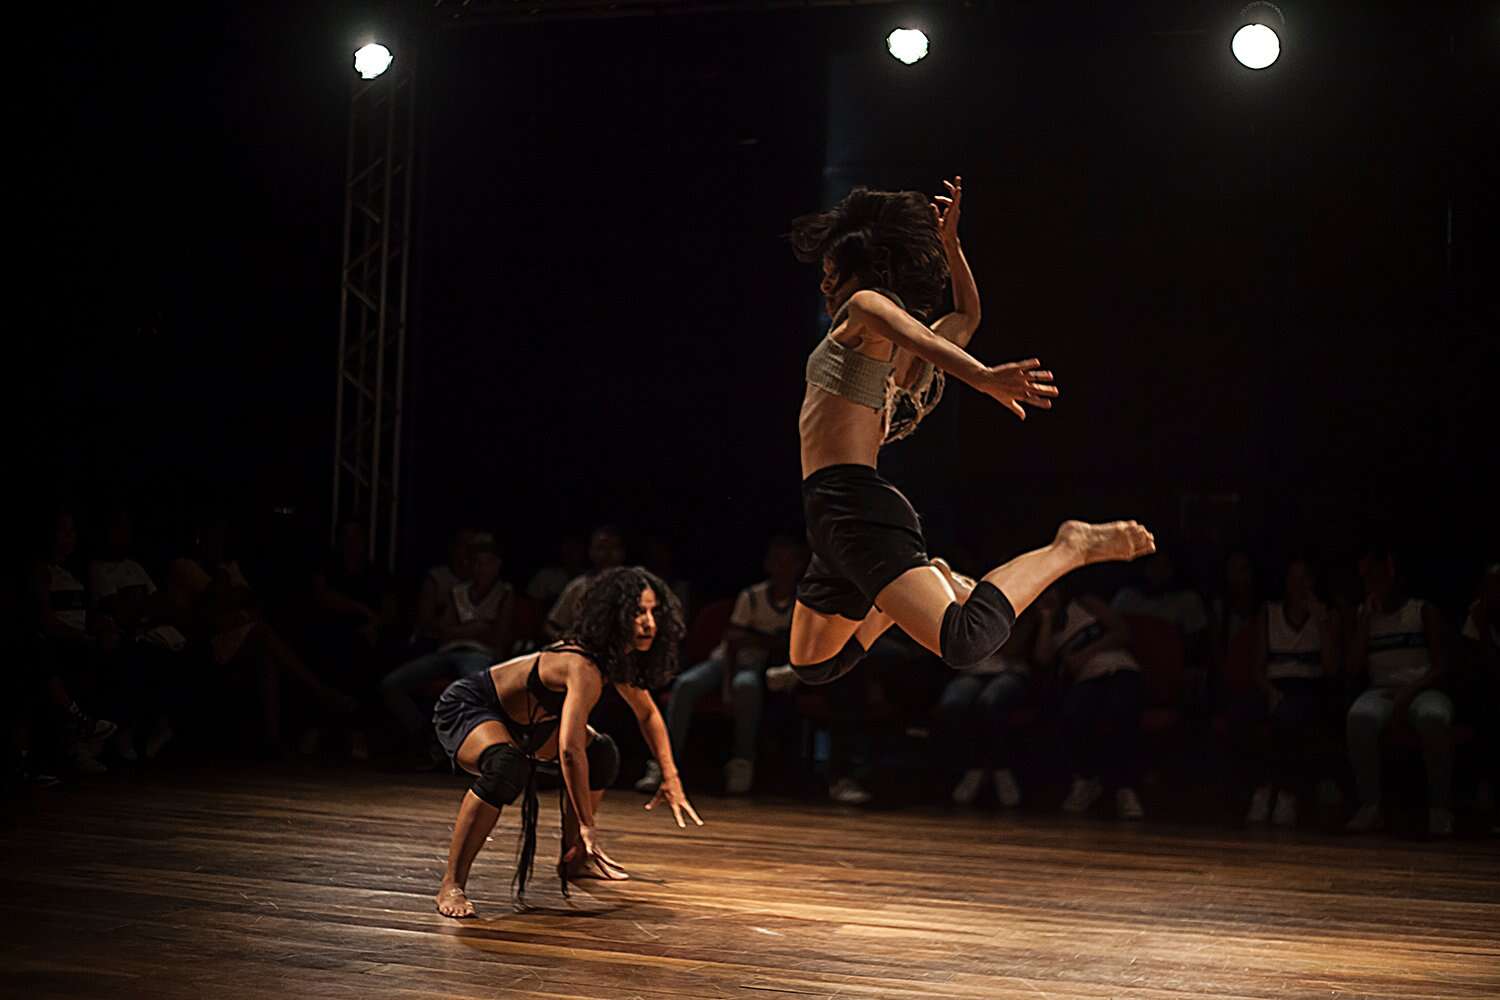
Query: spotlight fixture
point(1257, 44)
point(372, 60)
point(907, 45)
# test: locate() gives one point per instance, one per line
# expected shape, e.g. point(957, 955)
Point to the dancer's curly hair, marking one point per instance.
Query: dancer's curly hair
point(605, 628)
point(887, 239)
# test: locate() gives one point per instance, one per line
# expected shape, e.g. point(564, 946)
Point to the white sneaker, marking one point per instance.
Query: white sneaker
point(1440, 822)
point(1260, 806)
point(1128, 805)
point(1286, 809)
point(848, 792)
point(967, 788)
point(651, 780)
point(739, 775)
point(1366, 820)
point(1006, 789)
point(782, 678)
point(1082, 796)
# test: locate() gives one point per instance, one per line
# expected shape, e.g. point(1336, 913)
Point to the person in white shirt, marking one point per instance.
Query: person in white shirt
point(1397, 641)
point(438, 584)
point(138, 675)
point(1294, 652)
point(1104, 699)
point(474, 630)
point(758, 630)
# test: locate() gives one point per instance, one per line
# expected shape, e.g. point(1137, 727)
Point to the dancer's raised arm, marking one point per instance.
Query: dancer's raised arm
point(1011, 384)
point(958, 326)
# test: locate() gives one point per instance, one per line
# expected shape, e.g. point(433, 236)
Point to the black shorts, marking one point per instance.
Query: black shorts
point(863, 534)
point(463, 706)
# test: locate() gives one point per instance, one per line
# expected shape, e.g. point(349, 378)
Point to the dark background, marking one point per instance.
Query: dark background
point(1245, 281)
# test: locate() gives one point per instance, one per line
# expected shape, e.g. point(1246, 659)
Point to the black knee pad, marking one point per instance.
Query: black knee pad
point(833, 668)
point(502, 775)
point(604, 762)
point(976, 628)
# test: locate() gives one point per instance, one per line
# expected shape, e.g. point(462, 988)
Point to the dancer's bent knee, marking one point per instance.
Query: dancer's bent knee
point(832, 668)
point(976, 628)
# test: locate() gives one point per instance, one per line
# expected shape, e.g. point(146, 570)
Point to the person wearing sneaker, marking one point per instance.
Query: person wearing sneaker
point(970, 722)
point(1103, 702)
point(1294, 651)
point(758, 628)
point(1480, 685)
point(1397, 642)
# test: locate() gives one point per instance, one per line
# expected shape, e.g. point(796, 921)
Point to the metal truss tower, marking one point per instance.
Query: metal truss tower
point(373, 307)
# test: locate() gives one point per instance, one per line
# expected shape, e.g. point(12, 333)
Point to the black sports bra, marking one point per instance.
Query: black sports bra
point(532, 735)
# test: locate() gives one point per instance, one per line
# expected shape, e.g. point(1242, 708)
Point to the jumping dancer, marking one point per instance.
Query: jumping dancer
point(500, 725)
point(886, 257)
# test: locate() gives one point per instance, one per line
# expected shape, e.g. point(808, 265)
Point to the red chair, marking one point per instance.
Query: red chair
point(1157, 647)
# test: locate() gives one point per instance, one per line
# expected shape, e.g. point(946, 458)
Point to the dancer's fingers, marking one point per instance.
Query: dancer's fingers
point(1028, 363)
point(942, 199)
point(1041, 389)
point(1040, 402)
point(1015, 408)
point(692, 812)
point(677, 815)
point(1040, 375)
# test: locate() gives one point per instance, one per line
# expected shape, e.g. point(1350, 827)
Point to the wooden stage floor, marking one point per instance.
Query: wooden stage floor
point(263, 883)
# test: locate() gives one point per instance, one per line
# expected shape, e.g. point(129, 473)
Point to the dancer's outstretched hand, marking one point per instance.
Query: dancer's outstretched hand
point(596, 863)
point(672, 794)
point(1020, 382)
point(945, 210)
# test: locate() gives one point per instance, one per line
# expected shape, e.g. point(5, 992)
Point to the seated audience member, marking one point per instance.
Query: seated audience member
point(1161, 594)
point(1397, 642)
point(68, 643)
point(758, 630)
point(1238, 605)
point(1103, 701)
point(474, 630)
point(661, 559)
point(606, 551)
point(970, 723)
point(356, 611)
point(212, 595)
point(1481, 682)
point(140, 676)
point(437, 586)
point(1294, 655)
point(548, 583)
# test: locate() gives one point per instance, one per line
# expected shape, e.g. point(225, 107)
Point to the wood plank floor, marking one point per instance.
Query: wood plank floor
point(257, 883)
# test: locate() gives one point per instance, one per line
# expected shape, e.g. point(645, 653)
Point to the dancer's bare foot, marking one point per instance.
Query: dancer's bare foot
point(1115, 541)
point(451, 901)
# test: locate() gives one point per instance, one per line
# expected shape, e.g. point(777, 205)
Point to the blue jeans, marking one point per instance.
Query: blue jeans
point(970, 718)
point(747, 694)
point(398, 687)
point(1430, 714)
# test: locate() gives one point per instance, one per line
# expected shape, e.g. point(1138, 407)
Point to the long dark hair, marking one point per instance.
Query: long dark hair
point(886, 239)
point(605, 629)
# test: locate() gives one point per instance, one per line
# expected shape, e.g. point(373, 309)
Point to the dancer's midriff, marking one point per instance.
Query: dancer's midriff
point(837, 432)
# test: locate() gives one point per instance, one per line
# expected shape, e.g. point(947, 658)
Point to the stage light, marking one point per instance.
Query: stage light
point(372, 60)
point(1256, 46)
point(907, 44)
point(1257, 42)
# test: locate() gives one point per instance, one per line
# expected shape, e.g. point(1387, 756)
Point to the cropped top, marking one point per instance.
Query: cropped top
point(844, 371)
